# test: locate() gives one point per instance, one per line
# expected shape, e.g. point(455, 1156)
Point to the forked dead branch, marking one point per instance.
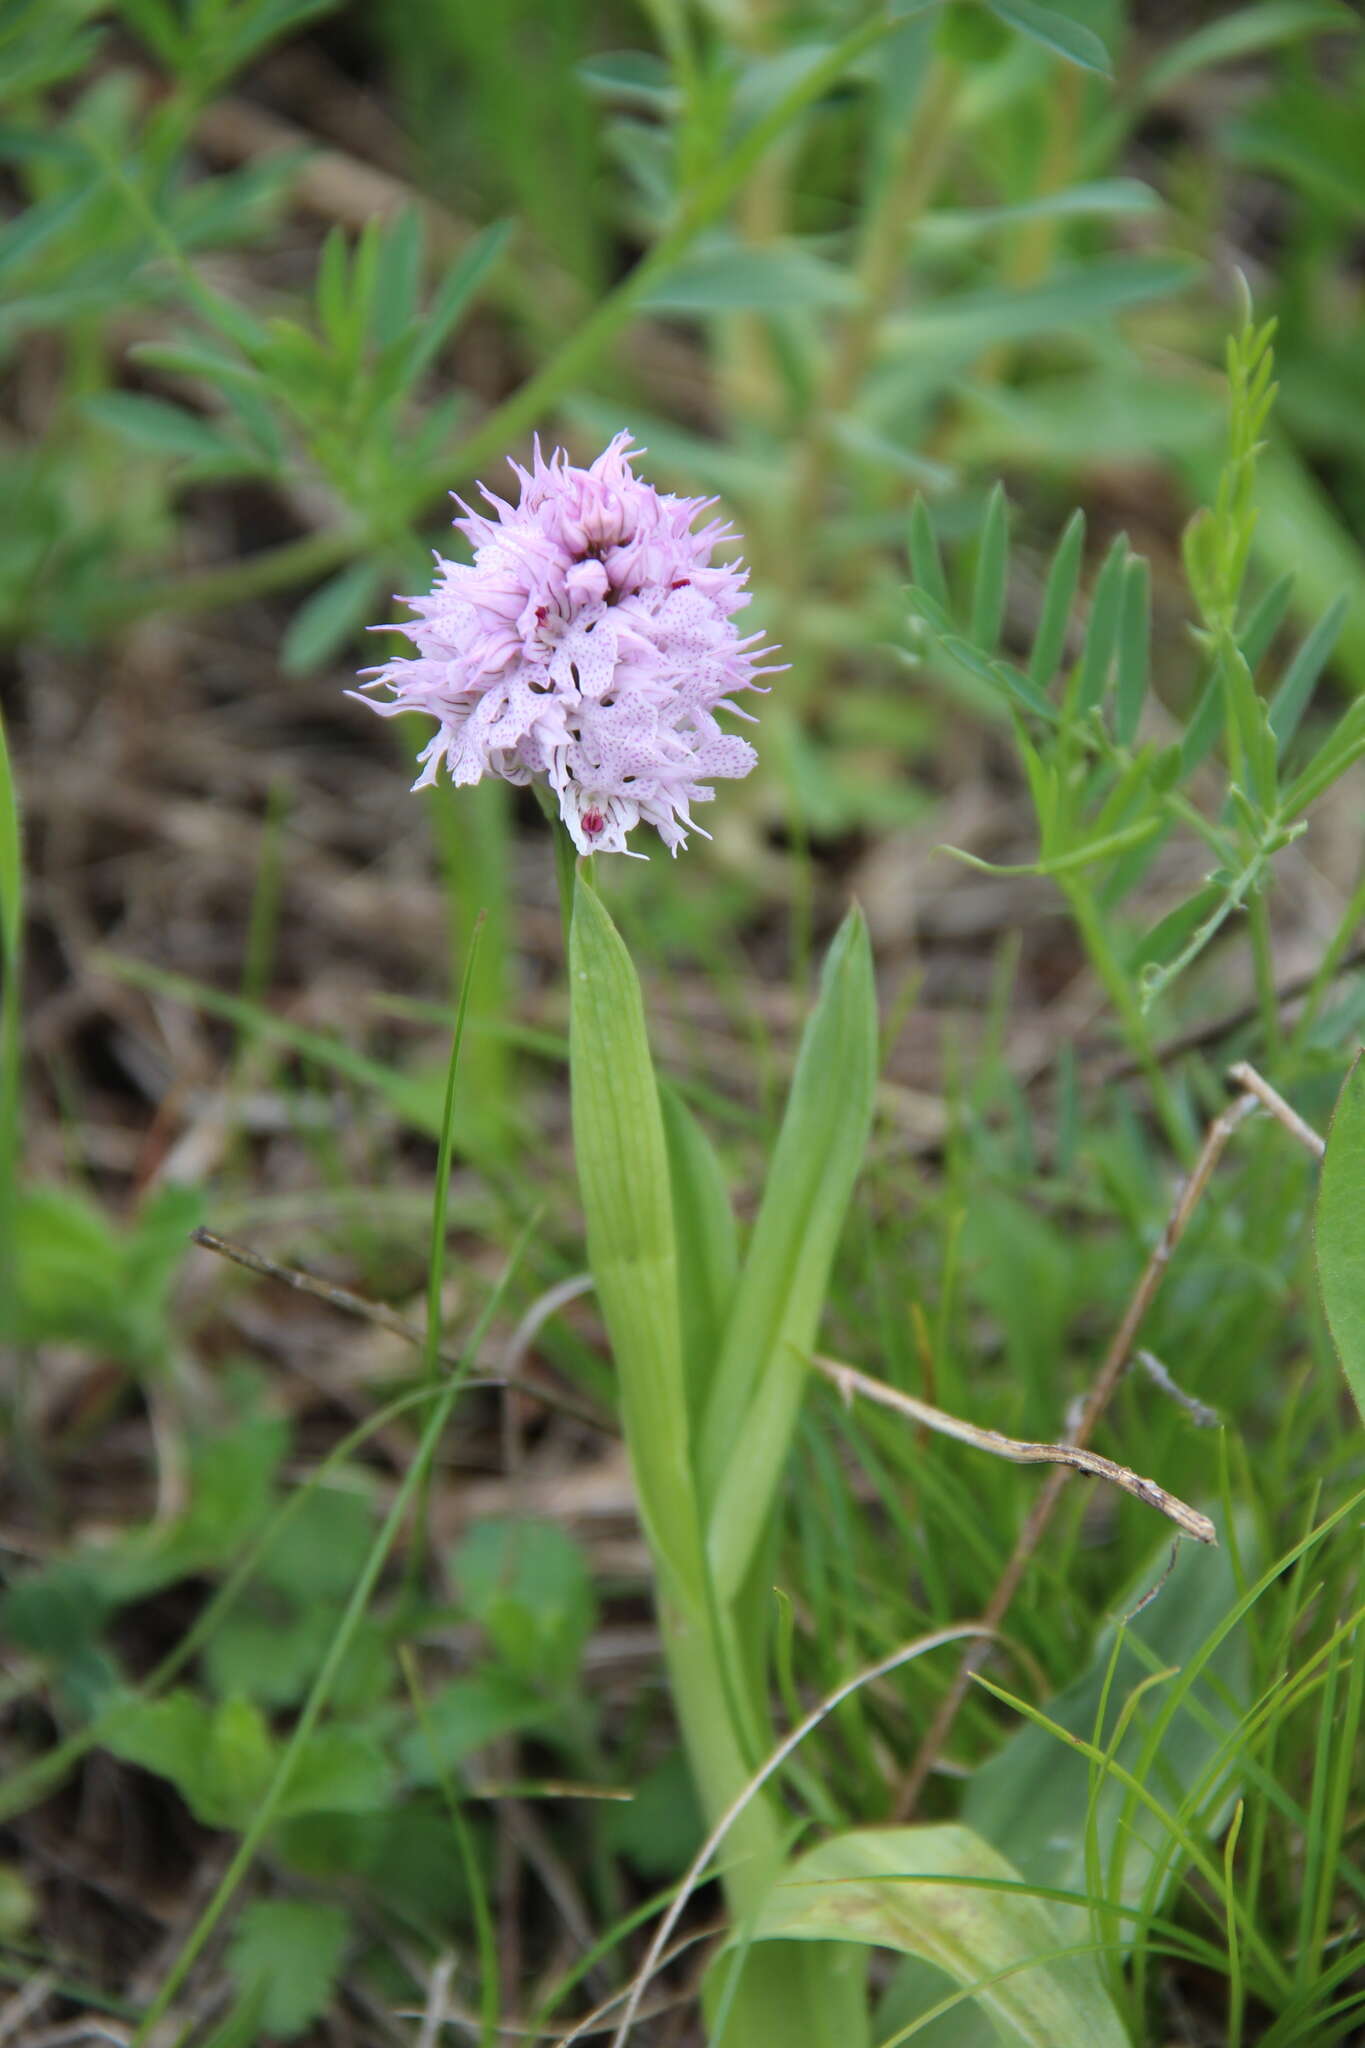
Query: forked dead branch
point(1254, 1093)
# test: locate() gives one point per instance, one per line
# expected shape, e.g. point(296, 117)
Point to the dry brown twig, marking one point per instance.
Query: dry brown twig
point(850, 1381)
point(1255, 1093)
point(385, 1318)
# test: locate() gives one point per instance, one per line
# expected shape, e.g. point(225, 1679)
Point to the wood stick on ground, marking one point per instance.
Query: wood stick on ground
point(850, 1381)
point(386, 1318)
point(1256, 1093)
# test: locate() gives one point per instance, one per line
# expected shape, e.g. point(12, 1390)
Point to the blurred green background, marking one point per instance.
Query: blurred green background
point(278, 275)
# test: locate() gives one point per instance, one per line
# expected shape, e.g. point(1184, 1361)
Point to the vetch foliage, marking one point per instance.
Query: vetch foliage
point(819, 257)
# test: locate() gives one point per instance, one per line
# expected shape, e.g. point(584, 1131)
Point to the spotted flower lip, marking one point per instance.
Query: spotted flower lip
point(590, 644)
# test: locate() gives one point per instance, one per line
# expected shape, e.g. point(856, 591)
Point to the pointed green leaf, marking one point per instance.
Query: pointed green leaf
point(781, 1292)
point(1055, 31)
point(1340, 1231)
point(464, 280)
point(623, 1176)
point(1244, 32)
point(325, 621)
point(1343, 746)
point(1049, 642)
point(331, 290)
point(1002, 677)
point(728, 275)
point(157, 426)
point(946, 1896)
point(1102, 632)
point(1290, 701)
point(925, 560)
point(992, 566)
point(1159, 946)
point(708, 1244)
point(398, 278)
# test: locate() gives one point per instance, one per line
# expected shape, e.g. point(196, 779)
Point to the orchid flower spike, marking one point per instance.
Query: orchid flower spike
point(589, 644)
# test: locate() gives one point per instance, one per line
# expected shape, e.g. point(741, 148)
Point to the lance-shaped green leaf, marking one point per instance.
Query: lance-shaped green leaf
point(947, 1897)
point(623, 1177)
point(992, 573)
point(1340, 1230)
point(752, 1409)
point(1059, 594)
point(708, 1244)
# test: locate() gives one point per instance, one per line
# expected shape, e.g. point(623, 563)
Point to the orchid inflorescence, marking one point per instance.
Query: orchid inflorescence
point(591, 644)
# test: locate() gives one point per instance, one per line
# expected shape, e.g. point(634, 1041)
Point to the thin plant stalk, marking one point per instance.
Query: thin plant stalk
point(320, 1691)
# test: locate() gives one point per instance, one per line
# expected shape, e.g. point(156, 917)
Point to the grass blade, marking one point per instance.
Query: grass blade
point(1290, 701)
point(925, 560)
point(992, 566)
point(1341, 1231)
point(1102, 633)
point(1049, 642)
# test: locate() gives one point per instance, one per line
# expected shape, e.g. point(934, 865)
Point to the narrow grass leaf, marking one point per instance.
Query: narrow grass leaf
point(398, 278)
point(1034, 1799)
point(959, 327)
point(1241, 34)
point(1092, 681)
point(416, 1100)
point(325, 621)
point(1134, 649)
point(781, 1291)
point(465, 278)
point(992, 565)
point(925, 560)
point(157, 426)
point(730, 276)
point(1056, 31)
point(1059, 595)
point(325, 1682)
point(944, 1895)
point(1007, 681)
point(1160, 945)
point(1340, 1230)
point(1338, 752)
point(1205, 722)
point(1290, 701)
point(623, 1175)
point(1267, 616)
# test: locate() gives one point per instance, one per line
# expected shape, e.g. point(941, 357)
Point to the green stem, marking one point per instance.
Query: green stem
point(1090, 925)
point(787, 1994)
